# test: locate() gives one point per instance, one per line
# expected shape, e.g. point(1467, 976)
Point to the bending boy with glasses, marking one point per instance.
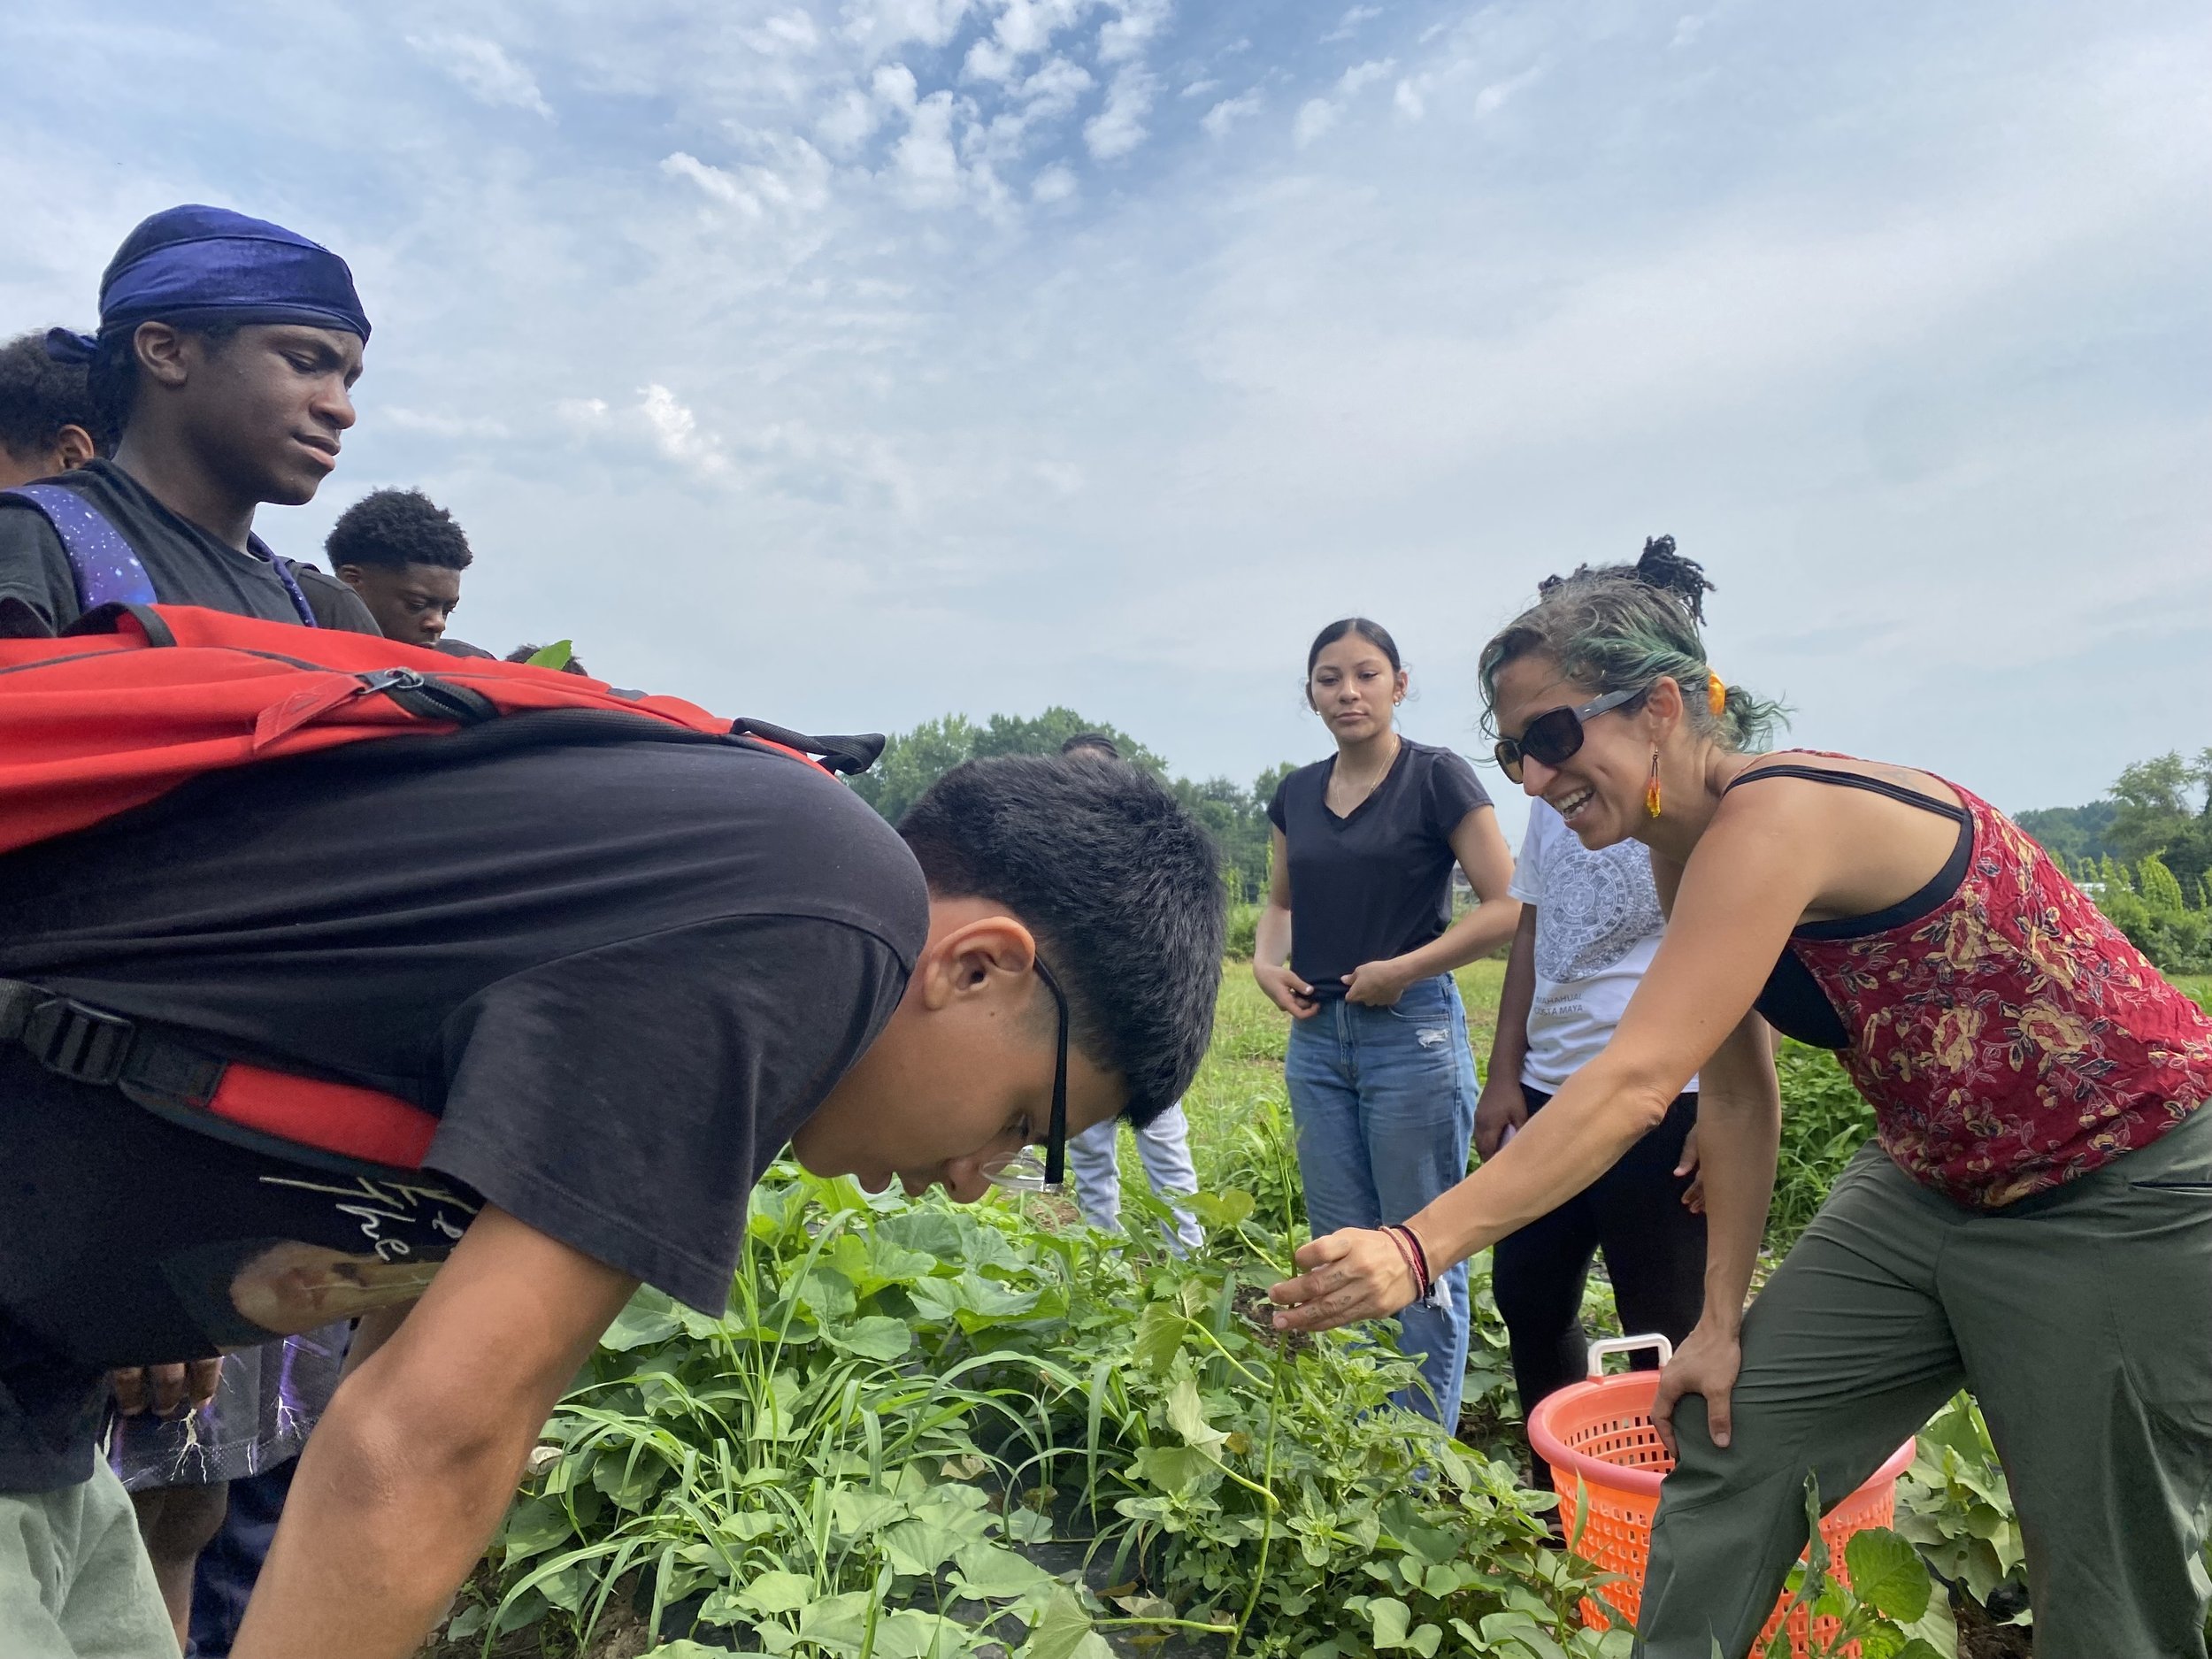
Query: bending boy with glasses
point(623, 973)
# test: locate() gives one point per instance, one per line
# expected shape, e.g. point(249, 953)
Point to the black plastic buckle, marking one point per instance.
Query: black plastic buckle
point(81, 1043)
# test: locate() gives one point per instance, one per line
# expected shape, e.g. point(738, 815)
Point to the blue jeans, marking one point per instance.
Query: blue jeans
point(1384, 1100)
point(1162, 1147)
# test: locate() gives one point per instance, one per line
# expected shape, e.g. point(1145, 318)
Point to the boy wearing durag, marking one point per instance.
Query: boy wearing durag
point(225, 354)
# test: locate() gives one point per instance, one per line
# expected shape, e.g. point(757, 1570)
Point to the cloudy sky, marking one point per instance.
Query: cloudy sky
point(850, 364)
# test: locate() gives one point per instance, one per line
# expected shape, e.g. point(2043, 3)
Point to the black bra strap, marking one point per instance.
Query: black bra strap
point(1855, 781)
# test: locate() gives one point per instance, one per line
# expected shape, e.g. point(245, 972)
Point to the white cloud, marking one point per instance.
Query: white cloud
point(1199, 88)
point(849, 122)
point(1360, 76)
point(1316, 116)
point(1493, 97)
point(485, 69)
point(923, 162)
point(786, 32)
point(1225, 114)
point(1054, 89)
point(1130, 29)
point(1351, 20)
point(676, 431)
point(882, 26)
point(988, 60)
point(794, 177)
point(713, 180)
point(1119, 128)
point(1055, 183)
point(1409, 102)
point(895, 86)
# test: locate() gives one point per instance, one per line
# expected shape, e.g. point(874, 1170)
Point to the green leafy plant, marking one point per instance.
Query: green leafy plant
point(1824, 1121)
point(1878, 1609)
point(905, 1400)
point(1956, 1508)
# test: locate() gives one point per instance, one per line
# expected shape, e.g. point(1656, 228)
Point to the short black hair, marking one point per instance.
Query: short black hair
point(397, 527)
point(1096, 742)
point(1120, 885)
point(39, 396)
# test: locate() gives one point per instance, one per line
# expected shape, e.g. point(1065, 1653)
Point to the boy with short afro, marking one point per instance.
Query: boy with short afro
point(46, 421)
point(403, 555)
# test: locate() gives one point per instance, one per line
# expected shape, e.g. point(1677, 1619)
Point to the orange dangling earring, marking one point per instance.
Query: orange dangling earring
point(1651, 789)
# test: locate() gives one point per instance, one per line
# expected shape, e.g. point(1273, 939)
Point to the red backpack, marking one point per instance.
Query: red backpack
point(135, 700)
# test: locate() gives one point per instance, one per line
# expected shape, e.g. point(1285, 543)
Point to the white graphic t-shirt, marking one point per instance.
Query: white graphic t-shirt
point(1597, 926)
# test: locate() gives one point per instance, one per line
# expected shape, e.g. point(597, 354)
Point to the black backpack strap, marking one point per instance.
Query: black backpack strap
point(849, 755)
point(103, 619)
point(88, 1045)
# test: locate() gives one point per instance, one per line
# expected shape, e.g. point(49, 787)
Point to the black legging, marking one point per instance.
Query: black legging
point(1655, 1254)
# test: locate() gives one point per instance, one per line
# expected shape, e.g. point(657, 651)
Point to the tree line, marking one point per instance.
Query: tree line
point(2146, 855)
point(1235, 815)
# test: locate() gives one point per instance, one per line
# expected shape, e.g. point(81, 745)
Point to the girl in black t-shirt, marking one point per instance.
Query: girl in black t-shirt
point(1356, 944)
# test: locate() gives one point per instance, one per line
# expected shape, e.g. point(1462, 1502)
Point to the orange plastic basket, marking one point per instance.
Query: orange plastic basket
point(1599, 1432)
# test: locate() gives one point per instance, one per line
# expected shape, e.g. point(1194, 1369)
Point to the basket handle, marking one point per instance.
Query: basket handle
point(1627, 1345)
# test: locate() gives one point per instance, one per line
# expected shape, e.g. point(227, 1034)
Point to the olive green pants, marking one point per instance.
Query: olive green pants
point(2082, 1320)
point(74, 1580)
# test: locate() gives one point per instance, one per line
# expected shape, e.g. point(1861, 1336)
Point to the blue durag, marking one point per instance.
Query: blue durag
point(200, 264)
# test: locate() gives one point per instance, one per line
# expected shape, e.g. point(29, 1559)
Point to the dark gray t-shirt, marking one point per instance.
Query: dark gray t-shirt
point(1378, 883)
point(187, 564)
point(621, 971)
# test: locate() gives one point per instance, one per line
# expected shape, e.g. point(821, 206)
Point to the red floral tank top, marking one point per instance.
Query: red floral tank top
point(2010, 1039)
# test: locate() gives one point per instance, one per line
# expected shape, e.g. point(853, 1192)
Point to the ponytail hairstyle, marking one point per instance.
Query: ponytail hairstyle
point(1621, 627)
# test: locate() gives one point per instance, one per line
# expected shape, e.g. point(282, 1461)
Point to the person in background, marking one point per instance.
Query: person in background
point(403, 555)
point(1590, 923)
point(1163, 1145)
point(225, 357)
point(47, 424)
point(226, 349)
point(1356, 944)
point(209, 1481)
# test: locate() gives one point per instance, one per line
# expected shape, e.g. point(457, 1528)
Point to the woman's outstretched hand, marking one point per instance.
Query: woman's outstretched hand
point(1344, 1277)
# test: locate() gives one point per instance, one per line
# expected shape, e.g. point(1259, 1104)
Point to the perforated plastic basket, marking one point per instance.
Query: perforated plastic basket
point(1600, 1432)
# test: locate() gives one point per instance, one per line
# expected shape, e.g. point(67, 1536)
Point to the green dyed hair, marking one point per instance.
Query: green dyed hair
point(1620, 627)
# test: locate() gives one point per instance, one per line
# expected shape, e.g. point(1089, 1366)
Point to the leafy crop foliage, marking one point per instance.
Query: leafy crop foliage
point(906, 1401)
point(1824, 1121)
point(917, 1422)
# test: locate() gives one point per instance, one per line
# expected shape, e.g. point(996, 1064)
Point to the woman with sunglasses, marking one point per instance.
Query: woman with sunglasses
point(2035, 1223)
point(1356, 943)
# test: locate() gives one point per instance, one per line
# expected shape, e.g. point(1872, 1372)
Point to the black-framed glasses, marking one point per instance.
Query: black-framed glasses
point(1023, 1172)
point(1555, 736)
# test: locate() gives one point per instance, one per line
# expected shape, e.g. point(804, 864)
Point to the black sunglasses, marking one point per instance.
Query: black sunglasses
point(1023, 1172)
point(1555, 736)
